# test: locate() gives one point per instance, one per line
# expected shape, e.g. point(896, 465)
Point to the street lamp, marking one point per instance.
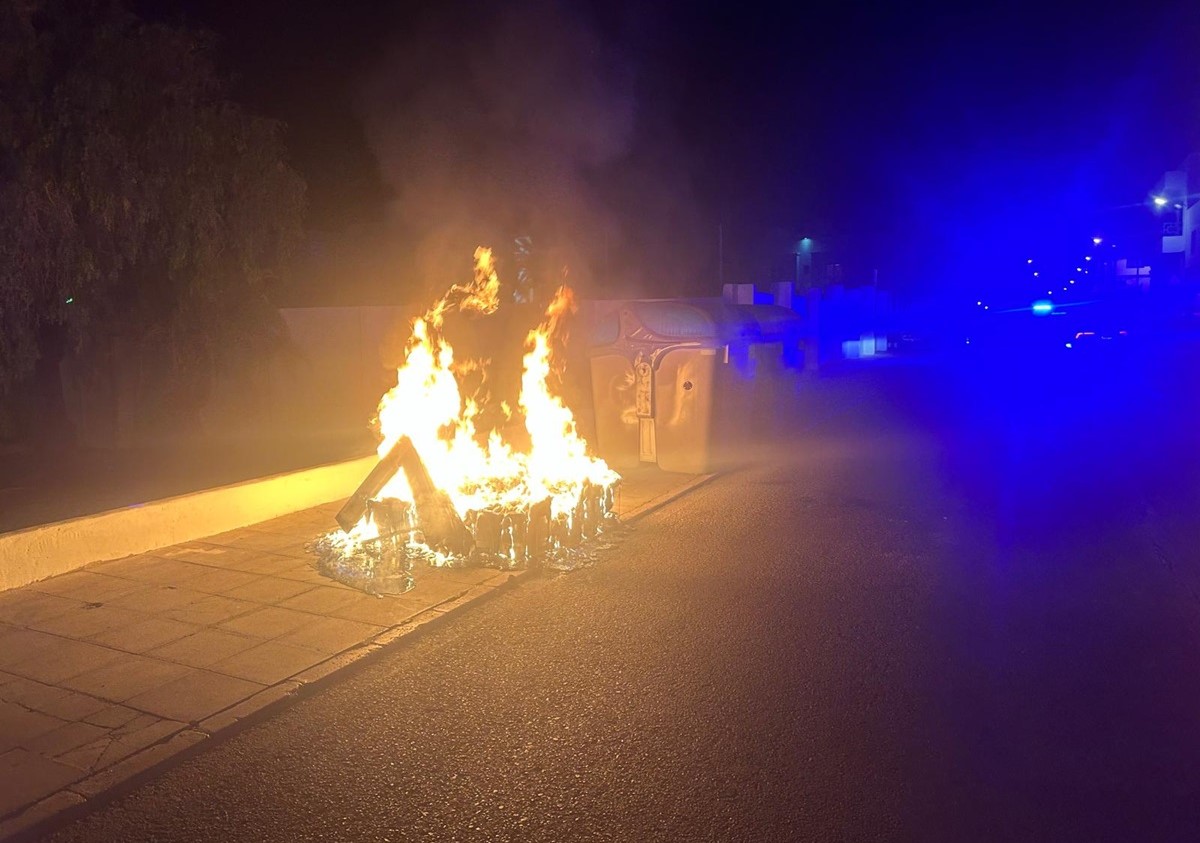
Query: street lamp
point(802, 252)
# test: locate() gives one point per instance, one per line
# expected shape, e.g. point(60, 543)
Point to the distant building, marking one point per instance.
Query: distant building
point(1179, 199)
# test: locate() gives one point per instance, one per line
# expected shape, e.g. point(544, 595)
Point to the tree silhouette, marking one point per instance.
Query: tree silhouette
point(136, 200)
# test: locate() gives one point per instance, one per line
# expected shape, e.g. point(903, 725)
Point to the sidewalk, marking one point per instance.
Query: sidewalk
point(109, 670)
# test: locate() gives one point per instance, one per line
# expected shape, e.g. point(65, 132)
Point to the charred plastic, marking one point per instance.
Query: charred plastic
point(430, 530)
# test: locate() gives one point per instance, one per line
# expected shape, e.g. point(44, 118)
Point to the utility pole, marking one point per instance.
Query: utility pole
point(721, 253)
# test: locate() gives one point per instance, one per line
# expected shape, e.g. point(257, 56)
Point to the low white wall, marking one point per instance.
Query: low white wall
point(38, 552)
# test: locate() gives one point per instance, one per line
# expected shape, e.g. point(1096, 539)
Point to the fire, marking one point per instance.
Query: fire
point(478, 469)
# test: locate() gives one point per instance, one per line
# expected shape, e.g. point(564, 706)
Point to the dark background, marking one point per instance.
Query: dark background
point(925, 140)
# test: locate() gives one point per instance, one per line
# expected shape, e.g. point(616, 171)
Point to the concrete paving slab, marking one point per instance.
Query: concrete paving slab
point(385, 611)
point(86, 585)
point(141, 732)
point(154, 599)
point(205, 647)
point(88, 620)
point(249, 706)
point(125, 677)
point(145, 634)
point(247, 538)
point(323, 599)
point(197, 695)
point(296, 549)
point(222, 581)
point(303, 572)
point(65, 738)
point(269, 590)
point(18, 724)
point(642, 485)
point(433, 585)
point(29, 693)
point(26, 777)
point(113, 716)
point(57, 702)
point(25, 607)
point(18, 643)
point(203, 554)
point(268, 663)
point(268, 622)
point(155, 570)
point(211, 610)
point(125, 567)
point(329, 635)
point(140, 761)
point(264, 563)
point(66, 659)
point(466, 576)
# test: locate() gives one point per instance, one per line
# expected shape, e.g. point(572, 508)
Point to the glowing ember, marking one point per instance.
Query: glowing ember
point(512, 501)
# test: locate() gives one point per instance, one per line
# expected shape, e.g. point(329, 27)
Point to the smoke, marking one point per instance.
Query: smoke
point(521, 121)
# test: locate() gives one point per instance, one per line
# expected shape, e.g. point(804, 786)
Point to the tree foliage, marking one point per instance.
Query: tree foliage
point(136, 199)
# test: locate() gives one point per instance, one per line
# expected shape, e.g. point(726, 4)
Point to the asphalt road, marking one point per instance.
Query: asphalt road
point(940, 611)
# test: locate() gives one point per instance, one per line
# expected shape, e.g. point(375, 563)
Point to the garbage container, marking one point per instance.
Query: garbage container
point(672, 381)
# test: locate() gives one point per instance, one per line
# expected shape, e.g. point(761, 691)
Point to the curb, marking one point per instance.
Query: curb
point(93, 792)
point(662, 500)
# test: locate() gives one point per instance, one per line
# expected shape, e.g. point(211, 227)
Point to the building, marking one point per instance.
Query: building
point(1179, 200)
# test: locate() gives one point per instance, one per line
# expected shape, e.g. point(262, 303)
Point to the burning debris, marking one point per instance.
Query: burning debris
point(445, 492)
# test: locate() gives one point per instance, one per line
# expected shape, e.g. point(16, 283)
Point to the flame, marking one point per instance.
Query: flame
point(480, 296)
point(479, 469)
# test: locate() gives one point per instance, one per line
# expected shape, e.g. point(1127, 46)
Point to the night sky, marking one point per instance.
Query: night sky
point(927, 140)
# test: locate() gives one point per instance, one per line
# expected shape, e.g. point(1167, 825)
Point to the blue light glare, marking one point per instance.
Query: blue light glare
point(1041, 308)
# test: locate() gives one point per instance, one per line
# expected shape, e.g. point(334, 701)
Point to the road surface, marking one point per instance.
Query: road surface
point(938, 609)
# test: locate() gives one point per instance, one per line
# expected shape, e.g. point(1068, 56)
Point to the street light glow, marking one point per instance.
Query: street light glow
point(1160, 201)
point(1096, 241)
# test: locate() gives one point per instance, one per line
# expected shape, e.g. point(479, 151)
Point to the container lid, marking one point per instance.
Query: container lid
point(710, 321)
